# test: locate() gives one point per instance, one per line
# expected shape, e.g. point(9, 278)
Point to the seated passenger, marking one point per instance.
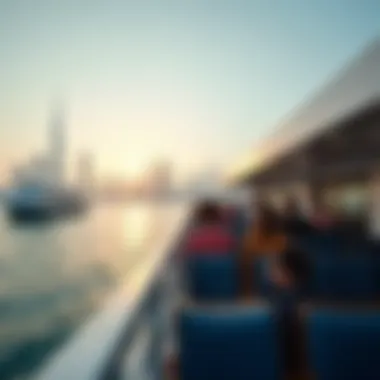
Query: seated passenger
point(323, 219)
point(264, 237)
point(210, 233)
point(288, 273)
point(295, 222)
point(229, 211)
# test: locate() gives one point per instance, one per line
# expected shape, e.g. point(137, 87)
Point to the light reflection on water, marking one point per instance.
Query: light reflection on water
point(53, 277)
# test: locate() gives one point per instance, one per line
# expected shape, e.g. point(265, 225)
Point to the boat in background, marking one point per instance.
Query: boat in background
point(30, 202)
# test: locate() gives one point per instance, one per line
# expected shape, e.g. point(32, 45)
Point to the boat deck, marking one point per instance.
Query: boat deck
point(136, 335)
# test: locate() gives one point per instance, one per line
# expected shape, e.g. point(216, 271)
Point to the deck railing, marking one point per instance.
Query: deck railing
point(125, 340)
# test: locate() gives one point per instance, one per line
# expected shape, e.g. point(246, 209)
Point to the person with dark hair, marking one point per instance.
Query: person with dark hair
point(323, 218)
point(295, 222)
point(265, 237)
point(210, 233)
point(208, 212)
point(288, 275)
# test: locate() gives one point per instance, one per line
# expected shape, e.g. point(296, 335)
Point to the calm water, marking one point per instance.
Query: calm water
point(53, 277)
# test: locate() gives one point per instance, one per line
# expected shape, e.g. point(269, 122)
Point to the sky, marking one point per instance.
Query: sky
point(195, 82)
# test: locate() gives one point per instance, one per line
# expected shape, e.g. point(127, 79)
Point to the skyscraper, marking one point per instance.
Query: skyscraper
point(86, 175)
point(47, 168)
point(57, 147)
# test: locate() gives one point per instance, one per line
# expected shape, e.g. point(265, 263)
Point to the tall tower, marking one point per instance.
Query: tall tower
point(57, 147)
point(86, 173)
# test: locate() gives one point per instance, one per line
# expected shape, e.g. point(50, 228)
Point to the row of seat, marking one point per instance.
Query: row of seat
point(343, 267)
point(332, 278)
point(243, 344)
point(331, 243)
point(231, 341)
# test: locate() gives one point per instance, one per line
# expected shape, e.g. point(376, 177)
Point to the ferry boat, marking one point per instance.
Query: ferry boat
point(326, 153)
point(30, 202)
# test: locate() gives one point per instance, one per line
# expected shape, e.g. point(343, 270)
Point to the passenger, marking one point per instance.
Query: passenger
point(211, 233)
point(264, 237)
point(323, 218)
point(235, 219)
point(295, 222)
point(288, 275)
point(228, 212)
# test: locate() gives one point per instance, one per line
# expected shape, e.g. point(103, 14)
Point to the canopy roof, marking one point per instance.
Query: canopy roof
point(357, 87)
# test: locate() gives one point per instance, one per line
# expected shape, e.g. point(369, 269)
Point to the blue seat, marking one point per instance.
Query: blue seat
point(355, 246)
point(259, 274)
point(212, 277)
point(230, 344)
point(344, 346)
point(261, 284)
point(376, 264)
point(317, 244)
point(239, 225)
point(343, 277)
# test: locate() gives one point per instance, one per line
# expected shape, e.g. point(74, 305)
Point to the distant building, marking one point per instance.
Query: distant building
point(160, 179)
point(57, 147)
point(19, 174)
point(207, 182)
point(86, 172)
point(47, 168)
point(36, 170)
point(39, 169)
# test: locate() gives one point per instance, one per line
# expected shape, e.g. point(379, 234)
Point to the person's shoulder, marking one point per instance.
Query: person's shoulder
point(282, 239)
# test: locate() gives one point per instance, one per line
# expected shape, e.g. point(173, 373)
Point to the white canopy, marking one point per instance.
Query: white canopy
point(355, 87)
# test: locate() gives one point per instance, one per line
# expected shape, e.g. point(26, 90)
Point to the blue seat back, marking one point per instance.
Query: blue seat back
point(343, 277)
point(344, 346)
point(376, 264)
point(212, 277)
point(259, 276)
point(239, 224)
point(261, 281)
point(239, 344)
point(317, 244)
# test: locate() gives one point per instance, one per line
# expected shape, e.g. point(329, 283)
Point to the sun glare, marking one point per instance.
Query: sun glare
point(133, 170)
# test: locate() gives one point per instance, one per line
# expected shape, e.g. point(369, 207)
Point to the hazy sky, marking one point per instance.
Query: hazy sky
point(195, 81)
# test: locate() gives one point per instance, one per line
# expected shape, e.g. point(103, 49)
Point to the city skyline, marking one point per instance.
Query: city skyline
point(49, 166)
point(194, 83)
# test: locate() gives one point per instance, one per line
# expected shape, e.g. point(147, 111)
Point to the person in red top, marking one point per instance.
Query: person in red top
point(210, 233)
